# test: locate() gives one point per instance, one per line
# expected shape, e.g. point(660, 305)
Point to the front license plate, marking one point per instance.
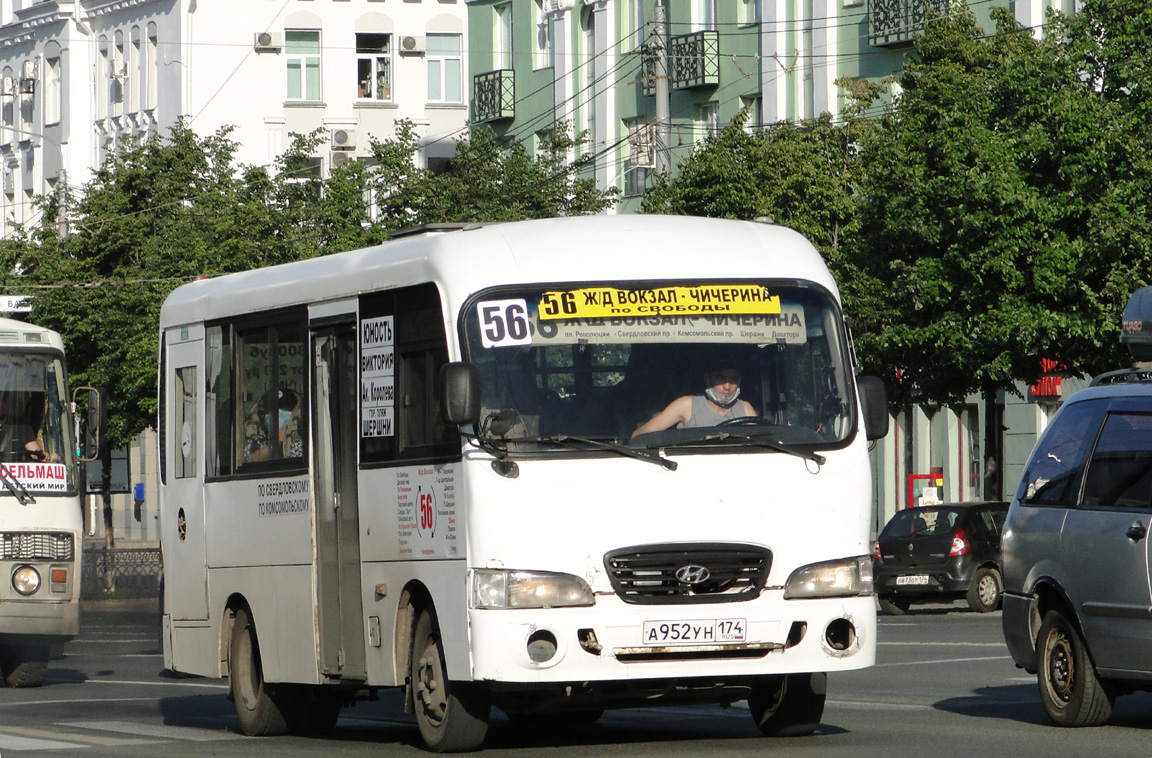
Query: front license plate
point(913, 579)
point(695, 632)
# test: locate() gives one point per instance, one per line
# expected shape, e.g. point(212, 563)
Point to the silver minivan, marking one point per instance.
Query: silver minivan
point(1076, 549)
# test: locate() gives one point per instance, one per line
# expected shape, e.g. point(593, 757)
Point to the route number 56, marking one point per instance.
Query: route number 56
point(503, 323)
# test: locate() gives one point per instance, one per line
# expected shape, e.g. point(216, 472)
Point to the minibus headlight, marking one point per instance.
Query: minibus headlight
point(528, 589)
point(26, 580)
point(846, 577)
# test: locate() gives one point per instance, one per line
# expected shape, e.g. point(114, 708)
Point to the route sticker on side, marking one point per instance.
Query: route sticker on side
point(426, 510)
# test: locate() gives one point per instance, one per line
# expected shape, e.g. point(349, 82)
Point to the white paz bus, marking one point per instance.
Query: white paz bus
point(41, 515)
point(417, 465)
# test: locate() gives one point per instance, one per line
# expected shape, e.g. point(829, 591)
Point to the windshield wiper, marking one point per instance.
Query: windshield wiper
point(753, 439)
point(561, 439)
point(15, 487)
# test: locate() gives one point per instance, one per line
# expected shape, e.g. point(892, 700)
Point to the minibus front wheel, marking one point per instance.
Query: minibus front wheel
point(790, 705)
point(452, 716)
point(260, 711)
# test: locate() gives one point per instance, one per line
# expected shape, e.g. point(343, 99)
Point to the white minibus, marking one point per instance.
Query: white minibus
point(41, 517)
point(435, 465)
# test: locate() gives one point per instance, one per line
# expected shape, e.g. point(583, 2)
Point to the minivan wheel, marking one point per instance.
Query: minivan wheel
point(893, 606)
point(985, 591)
point(1072, 693)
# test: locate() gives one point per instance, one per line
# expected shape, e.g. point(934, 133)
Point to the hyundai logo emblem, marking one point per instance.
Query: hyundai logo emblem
point(693, 574)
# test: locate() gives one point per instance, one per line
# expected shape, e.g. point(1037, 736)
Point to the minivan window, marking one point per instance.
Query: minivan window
point(1119, 472)
point(1053, 475)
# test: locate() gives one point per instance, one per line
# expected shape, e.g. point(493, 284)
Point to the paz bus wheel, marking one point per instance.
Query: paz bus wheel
point(452, 716)
point(1072, 693)
point(24, 667)
point(261, 713)
point(791, 706)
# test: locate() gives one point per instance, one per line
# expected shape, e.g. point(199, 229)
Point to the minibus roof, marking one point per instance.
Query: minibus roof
point(580, 249)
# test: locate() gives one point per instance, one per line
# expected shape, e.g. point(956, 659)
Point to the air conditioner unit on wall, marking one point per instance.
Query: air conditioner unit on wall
point(411, 45)
point(343, 139)
point(338, 159)
point(28, 70)
point(267, 41)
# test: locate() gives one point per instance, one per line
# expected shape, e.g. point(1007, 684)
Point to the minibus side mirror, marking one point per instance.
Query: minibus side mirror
point(90, 404)
point(873, 406)
point(460, 393)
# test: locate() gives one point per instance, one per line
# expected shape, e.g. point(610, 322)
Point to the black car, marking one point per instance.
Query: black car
point(940, 552)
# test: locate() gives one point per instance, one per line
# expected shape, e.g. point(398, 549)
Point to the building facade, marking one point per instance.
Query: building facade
point(79, 77)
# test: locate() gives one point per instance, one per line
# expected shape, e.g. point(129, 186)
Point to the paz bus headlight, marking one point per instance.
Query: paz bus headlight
point(528, 589)
point(845, 577)
point(26, 580)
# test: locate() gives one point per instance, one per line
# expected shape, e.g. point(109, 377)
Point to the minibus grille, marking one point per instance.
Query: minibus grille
point(37, 546)
point(694, 573)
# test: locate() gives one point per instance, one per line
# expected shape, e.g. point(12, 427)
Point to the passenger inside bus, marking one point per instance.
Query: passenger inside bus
point(719, 402)
point(18, 435)
point(289, 439)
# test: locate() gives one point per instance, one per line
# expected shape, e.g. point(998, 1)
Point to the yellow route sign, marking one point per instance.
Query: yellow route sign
point(708, 299)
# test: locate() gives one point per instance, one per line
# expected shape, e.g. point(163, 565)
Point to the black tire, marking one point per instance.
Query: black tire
point(986, 590)
point(24, 667)
point(1072, 693)
point(263, 711)
point(790, 705)
point(452, 716)
point(893, 607)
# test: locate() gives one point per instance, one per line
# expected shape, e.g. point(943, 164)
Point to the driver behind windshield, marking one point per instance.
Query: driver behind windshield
point(17, 435)
point(719, 402)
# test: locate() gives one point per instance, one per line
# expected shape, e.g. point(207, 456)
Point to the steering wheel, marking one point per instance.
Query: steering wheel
point(743, 421)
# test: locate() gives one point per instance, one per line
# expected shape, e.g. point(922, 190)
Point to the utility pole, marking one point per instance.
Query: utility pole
point(662, 158)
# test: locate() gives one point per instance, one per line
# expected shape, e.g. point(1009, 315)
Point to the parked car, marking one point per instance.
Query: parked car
point(1077, 603)
point(940, 552)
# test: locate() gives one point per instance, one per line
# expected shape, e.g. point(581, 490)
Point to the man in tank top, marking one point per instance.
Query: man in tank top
point(720, 402)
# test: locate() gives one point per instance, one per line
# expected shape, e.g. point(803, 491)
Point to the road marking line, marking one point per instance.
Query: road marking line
point(90, 739)
point(12, 742)
point(946, 644)
point(185, 733)
point(170, 683)
point(945, 660)
point(79, 700)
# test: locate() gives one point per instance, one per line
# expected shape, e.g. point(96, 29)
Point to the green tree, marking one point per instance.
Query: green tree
point(982, 191)
point(485, 181)
point(803, 176)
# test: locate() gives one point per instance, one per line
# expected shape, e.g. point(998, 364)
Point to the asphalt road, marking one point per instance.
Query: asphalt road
point(943, 686)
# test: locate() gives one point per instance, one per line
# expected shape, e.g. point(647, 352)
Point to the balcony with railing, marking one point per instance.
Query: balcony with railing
point(494, 95)
point(895, 22)
point(694, 59)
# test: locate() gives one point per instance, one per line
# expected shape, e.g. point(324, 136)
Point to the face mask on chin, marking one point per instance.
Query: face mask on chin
point(724, 401)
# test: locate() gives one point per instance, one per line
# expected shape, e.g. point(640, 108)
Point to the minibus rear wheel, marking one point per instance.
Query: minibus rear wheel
point(790, 705)
point(452, 716)
point(260, 711)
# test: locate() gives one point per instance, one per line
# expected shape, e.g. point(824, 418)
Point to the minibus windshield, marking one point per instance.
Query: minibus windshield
point(604, 361)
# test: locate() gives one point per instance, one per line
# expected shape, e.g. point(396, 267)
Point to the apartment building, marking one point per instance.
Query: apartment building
point(79, 77)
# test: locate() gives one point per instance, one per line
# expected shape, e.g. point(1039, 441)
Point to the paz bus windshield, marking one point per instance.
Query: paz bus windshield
point(35, 437)
point(599, 361)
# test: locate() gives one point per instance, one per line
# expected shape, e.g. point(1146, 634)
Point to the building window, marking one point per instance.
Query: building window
point(374, 66)
point(544, 57)
point(444, 68)
point(302, 51)
point(640, 33)
point(52, 92)
point(754, 104)
point(641, 151)
point(503, 41)
point(748, 11)
point(709, 122)
point(705, 15)
point(152, 67)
